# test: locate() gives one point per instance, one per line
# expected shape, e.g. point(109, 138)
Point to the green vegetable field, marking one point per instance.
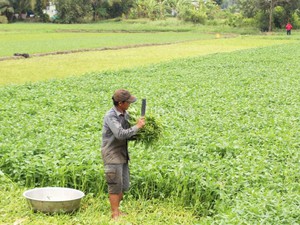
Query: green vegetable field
point(228, 153)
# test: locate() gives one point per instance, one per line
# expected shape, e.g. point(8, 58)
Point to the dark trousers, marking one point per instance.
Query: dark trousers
point(288, 32)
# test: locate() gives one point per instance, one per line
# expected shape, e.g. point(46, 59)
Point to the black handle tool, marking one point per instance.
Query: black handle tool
point(143, 110)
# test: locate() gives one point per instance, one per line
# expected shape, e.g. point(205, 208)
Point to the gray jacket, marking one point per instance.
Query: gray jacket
point(116, 130)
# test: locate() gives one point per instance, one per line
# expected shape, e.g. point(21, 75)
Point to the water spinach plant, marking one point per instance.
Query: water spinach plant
point(150, 133)
point(230, 146)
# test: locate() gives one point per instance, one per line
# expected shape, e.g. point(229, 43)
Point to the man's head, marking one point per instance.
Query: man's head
point(123, 96)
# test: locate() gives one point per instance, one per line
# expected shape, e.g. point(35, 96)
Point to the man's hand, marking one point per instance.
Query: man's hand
point(140, 122)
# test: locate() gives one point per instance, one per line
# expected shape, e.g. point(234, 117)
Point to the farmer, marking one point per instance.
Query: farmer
point(115, 134)
point(288, 28)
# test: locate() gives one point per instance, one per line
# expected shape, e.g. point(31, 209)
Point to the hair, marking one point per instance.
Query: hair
point(114, 102)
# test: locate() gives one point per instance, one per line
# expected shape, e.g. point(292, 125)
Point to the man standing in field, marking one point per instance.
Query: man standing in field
point(115, 134)
point(288, 28)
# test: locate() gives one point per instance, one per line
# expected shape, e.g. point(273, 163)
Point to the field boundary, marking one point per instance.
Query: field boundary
point(84, 50)
point(97, 49)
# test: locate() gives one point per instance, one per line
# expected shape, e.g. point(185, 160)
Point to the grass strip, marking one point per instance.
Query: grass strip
point(61, 66)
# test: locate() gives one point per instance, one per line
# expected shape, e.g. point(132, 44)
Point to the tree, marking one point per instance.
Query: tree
point(21, 6)
point(194, 11)
point(279, 16)
point(219, 2)
point(155, 9)
point(119, 7)
point(152, 8)
point(99, 9)
point(271, 8)
point(6, 9)
point(250, 8)
point(179, 6)
point(74, 11)
point(212, 9)
point(228, 3)
point(109, 8)
point(38, 9)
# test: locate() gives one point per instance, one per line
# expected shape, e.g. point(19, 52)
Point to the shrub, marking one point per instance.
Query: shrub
point(279, 16)
point(73, 11)
point(213, 22)
point(248, 22)
point(3, 19)
point(213, 10)
point(296, 20)
point(45, 18)
point(102, 12)
point(262, 21)
point(193, 15)
point(133, 14)
point(234, 20)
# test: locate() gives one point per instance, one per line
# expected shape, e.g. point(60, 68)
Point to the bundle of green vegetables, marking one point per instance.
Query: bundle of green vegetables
point(150, 133)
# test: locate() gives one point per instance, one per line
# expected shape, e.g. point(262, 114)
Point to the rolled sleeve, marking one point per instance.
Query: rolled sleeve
point(118, 131)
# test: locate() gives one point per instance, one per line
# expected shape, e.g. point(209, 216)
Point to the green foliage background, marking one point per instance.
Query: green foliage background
point(260, 12)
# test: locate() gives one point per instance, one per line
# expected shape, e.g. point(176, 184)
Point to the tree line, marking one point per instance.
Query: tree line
point(264, 14)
